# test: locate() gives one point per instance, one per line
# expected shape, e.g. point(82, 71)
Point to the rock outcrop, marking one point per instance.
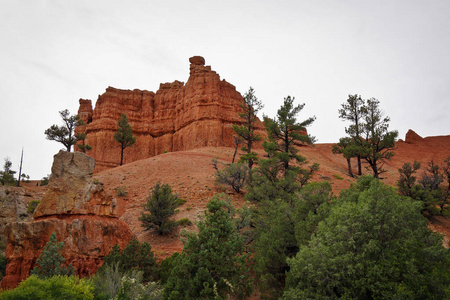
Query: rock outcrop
point(78, 210)
point(177, 117)
point(14, 203)
point(412, 137)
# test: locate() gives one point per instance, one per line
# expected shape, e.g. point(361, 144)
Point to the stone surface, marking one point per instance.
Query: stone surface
point(78, 210)
point(412, 137)
point(71, 190)
point(177, 117)
point(14, 202)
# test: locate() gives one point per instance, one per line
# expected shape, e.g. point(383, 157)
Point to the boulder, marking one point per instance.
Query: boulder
point(80, 212)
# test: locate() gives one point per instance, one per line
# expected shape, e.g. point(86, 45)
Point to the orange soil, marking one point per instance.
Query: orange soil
point(191, 176)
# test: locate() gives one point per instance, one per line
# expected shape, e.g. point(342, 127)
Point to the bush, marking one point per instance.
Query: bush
point(120, 191)
point(44, 180)
point(113, 283)
point(32, 206)
point(235, 175)
point(50, 261)
point(161, 205)
point(53, 288)
point(184, 222)
point(135, 255)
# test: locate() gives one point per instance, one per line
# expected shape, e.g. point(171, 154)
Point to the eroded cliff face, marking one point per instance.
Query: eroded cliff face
point(177, 117)
point(78, 210)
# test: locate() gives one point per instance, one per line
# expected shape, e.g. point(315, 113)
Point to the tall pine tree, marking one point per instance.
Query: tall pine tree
point(124, 135)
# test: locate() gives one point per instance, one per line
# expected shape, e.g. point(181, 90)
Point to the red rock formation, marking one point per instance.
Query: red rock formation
point(177, 117)
point(412, 137)
point(78, 210)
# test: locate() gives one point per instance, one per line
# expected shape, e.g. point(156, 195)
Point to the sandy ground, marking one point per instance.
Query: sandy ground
point(191, 176)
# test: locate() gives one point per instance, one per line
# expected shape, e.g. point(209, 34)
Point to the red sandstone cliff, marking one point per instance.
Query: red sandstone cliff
point(80, 212)
point(177, 117)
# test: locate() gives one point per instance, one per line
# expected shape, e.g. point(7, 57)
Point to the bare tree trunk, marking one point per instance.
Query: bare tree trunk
point(20, 169)
point(359, 166)
point(349, 164)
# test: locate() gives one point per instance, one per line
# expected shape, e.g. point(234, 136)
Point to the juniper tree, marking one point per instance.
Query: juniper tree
point(64, 134)
point(124, 135)
point(50, 261)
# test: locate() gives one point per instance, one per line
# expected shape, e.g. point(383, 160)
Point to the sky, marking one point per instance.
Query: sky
point(52, 53)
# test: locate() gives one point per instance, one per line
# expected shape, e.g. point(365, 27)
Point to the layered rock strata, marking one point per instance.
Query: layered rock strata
point(78, 210)
point(177, 117)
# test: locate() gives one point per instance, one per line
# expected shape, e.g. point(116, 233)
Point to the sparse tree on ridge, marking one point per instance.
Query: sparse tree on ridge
point(353, 111)
point(64, 134)
point(7, 175)
point(284, 132)
point(378, 142)
point(124, 135)
point(81, 136)
point(246, 131)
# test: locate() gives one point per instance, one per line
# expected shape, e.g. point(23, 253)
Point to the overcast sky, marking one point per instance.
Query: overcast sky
point(52, 53)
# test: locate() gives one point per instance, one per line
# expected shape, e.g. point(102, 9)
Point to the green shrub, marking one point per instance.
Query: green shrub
point(53, 288)
point(121, 191)
point(161, 205)
point(32, 206)
point(44, 180)
point(184, 222)
point(235, 175)
point(50, 261)
point(338, 177)
point(135, 255)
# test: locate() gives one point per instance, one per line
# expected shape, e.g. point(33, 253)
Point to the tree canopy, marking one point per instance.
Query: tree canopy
point(124, 135)
point(64, 134)
point(374, 244)
point(246, 132)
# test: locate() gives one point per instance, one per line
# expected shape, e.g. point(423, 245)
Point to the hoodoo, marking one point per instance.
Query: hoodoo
point(177, 117)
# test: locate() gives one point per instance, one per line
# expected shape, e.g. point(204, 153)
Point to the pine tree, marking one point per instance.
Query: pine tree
point(284, 132)
point(353, 111)
point(50, 262)
point(160, 206)
point(246, 131)
point(64, 134)
point(7, 175)
point(124, 135)
point(213, 263)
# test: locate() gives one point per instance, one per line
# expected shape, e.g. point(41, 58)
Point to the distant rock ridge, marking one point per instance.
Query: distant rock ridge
point(177, 117)
point(78, 210)
point(412, 137)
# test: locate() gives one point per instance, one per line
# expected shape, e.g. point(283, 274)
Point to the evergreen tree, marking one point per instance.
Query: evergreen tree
point(432, 188)
point(378, 142)
point(160, 206)
point(7, 175)
point(246, 131)
point(124, 135)
point(282, 226)
point(135, 255)
point(353, 111)
point(50, 262)
point(374, 244)
point(348, 149)
point(64, 134)
point(213, 263)
point(284, 132)
point(81, 136)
